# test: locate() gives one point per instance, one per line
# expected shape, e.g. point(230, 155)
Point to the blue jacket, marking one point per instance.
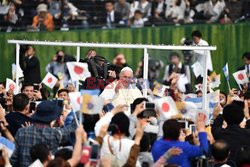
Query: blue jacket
point(189, 151)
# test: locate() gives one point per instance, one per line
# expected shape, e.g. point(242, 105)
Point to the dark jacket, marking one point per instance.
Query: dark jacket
point(31, 69)
point(117, 18)
point(234, 135)
point(15, 121)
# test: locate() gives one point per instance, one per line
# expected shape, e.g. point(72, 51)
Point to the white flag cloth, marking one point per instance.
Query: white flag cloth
point(241, 77)
point(75, 100)
point(15, 70)
point(166, 106)
point(78, 71)
point(182, 81)
point(50, 80)
point(10, 84)
point(215, 81)
point(197, 69)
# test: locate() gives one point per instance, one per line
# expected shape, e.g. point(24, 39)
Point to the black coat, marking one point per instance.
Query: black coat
point(31, 69)
point(235, 136)
point(15, 121)
point(117, 18)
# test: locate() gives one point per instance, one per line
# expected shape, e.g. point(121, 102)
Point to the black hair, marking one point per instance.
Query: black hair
point(64, 153)
point(138, 12)
point(39, 151)
point(136, 102)
point(246, 55)
point(196, 33)
point(26, 85)
point(62, 90)
point(243, 156)
point(20, 101)
point(247, 95)
point(30, 46)
point(220, 150)
point(57, 162)
point(171, 129)
point(119, 124)
point(109, 1)
point(172, 54)
point(233, 114)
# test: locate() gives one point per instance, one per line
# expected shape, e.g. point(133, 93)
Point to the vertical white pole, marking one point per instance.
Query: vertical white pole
point(77, 59)
point(204, 85)
point(145, 72)
point(17, 64)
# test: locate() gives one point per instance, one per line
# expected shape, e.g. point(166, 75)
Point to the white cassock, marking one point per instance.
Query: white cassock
point(199, 54)
point(124, 95)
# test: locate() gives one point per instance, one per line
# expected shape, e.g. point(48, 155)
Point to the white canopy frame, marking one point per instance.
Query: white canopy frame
point(78, 45)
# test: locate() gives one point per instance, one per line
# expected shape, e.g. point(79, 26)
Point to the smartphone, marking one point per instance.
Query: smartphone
point(183, 123)
point(148, 105)
point(86, 152)
point(95, 151)
point(36, 87)
point(192, 128)
point(32, 107)
point(148, 113)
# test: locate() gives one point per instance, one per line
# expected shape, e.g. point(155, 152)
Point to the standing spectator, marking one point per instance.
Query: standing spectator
point(246, 67)
point(59, 68)
point(40, 132)
point(171, 134)
point(176, 67)
point(19, 117)
point(43, 20)
point(124, 8)
point(111, 18)
point(220, 151)
point(31, 66)
point(233, 134)
point(197, 40)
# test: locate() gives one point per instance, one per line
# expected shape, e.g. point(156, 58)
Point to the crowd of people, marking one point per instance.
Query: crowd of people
point(39, 126)
point(48, 15)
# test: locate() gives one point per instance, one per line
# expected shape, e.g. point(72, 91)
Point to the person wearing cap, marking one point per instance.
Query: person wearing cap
point(40, 132)
point(122, 91)
point(43, 19)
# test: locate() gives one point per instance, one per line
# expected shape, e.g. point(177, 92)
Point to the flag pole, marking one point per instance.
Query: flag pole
point(228, 84)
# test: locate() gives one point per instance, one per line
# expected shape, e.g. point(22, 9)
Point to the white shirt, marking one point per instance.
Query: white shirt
point(112, 16)
point(199, 55)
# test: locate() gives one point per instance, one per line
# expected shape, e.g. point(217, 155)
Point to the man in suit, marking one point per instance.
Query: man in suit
point(246, 67)
point(111, 18)
point(31, 66)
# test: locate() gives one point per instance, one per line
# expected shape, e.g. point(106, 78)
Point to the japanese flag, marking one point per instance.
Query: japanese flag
point(78, 71)
point(241, 77)
point(166, 106)
point(10, 85)
point(50, 80)
point(75, 100)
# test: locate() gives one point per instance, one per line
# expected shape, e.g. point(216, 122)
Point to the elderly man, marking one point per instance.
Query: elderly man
point(122, 91)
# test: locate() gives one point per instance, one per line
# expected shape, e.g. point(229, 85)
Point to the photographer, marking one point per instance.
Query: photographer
point(58, 66)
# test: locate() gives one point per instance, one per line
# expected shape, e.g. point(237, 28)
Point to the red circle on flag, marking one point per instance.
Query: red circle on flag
point(49, 80)
point(12, 86)
point(165, 107)
point(78, 70)
point(78, 100)
point(240, 76)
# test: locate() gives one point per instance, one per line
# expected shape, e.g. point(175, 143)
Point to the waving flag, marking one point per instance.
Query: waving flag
point(166, 106)
point(78, 71)
point(226, 71)
point(10, 85)
point(50, 80)
point(159, 89)
point(91, 102)
point(241, 77)
point(197, 69)
point(215, 80)
point(75, 100)
point(181, 83)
